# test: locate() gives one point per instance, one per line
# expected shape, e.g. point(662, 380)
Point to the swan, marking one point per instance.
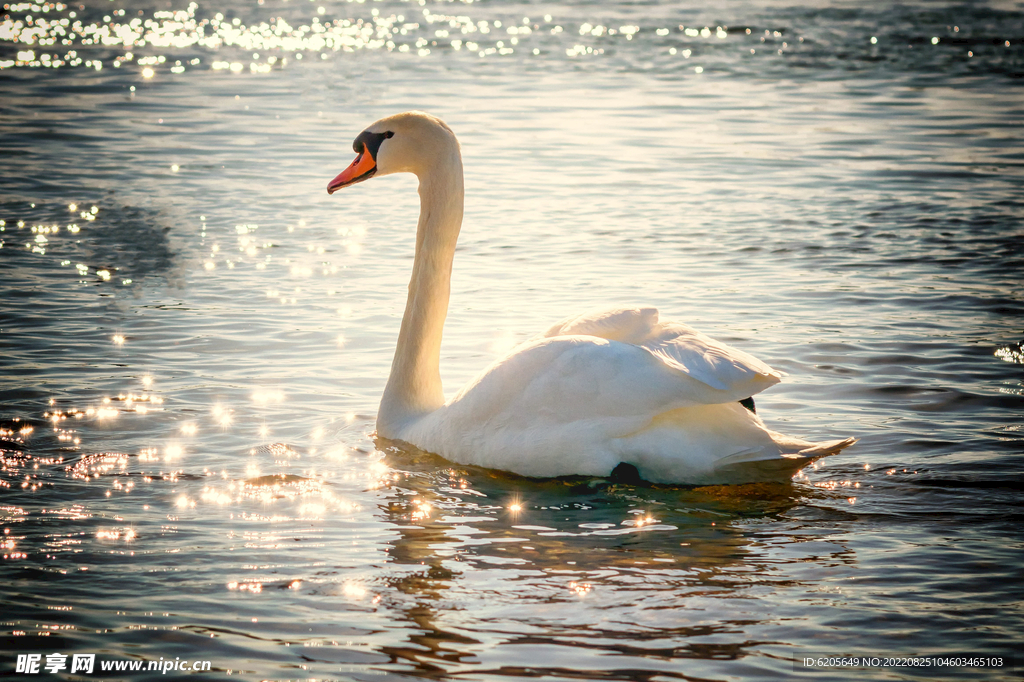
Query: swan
point(607, 391)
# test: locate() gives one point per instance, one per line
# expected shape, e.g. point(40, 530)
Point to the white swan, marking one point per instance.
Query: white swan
point(593, 391)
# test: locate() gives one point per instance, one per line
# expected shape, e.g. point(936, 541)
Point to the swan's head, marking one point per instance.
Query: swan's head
point(413, 142)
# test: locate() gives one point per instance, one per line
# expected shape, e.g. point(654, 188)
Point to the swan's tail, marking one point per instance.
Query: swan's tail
point(825, 449)
point(754, 466)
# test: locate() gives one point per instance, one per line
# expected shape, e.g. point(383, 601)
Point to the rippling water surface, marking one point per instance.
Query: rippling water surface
point(194, 336)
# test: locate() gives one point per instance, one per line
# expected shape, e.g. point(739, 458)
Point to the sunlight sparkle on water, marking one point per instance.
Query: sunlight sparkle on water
point(263, 47)
point(354, 590)
point(581, 589)
point(223, 415)
point(338, 454)
point(1013, 353)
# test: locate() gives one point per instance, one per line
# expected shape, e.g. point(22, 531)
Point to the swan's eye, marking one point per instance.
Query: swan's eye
point(370, 142)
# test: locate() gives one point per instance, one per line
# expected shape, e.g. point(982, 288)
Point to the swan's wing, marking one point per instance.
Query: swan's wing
point(678, 345)
point(709, 361)
point(552, 406)
point(570, 378)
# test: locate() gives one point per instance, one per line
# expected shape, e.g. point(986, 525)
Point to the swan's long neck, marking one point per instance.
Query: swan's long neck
point(414, 387)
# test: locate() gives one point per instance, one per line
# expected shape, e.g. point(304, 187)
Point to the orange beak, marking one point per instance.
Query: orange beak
point(361, 169)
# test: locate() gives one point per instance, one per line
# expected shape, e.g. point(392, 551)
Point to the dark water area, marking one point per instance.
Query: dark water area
point(194, 337)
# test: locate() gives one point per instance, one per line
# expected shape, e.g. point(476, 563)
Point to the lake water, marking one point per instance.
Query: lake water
point(194, 336)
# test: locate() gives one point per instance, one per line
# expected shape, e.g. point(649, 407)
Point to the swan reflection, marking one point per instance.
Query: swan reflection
point(592, 550)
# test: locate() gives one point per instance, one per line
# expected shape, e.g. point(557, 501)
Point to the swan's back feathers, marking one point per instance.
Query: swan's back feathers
point(629, 325)
point(678, 345)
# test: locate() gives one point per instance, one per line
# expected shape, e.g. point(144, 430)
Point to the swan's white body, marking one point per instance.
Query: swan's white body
point(591, 392)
